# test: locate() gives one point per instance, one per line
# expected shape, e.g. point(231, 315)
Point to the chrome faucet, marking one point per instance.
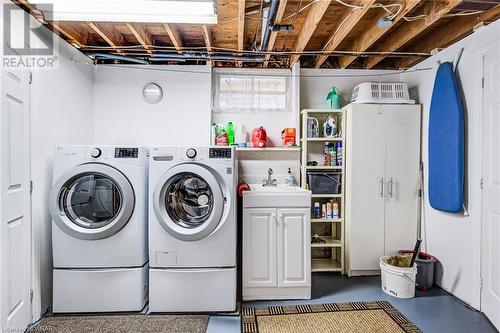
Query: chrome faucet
point(269, 181)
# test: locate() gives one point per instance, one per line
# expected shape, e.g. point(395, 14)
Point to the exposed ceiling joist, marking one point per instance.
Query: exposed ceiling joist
point(345, 25)
point(374, 33)
point(141, 34)
point(272, 38)
point(174, 36)
point(74, 37)
point(314, 16)
point(111, 36)
point(455, 30)
point(207, 37)
point(241, 26)
point(434, 9)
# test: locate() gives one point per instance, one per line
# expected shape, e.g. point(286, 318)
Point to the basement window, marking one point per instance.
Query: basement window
point(245, 92)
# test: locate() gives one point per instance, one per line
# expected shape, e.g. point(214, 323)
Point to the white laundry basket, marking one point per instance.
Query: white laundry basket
point(387, 93)
point(398, 281)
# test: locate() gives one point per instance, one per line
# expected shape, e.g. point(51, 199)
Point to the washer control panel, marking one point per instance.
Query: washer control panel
point(219, 153)
point(126, 152)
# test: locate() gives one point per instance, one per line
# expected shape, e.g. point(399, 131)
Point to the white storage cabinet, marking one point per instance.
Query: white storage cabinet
point(276, 249)
point(382, 163)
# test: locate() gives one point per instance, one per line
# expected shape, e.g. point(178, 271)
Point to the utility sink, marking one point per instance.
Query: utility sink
point(276, 196)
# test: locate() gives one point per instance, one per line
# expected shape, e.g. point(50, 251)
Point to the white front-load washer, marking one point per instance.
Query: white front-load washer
point(98, 205)
point(192, 229)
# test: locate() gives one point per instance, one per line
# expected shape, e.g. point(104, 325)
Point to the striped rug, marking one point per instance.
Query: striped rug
point(354, 317)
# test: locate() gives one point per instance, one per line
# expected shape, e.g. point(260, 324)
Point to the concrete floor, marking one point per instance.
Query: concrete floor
point(432, 311)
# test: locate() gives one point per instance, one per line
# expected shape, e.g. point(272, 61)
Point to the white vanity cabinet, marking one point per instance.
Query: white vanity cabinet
point(276, 244)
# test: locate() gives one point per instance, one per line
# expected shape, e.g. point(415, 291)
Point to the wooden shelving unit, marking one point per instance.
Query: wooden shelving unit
point(334, 242)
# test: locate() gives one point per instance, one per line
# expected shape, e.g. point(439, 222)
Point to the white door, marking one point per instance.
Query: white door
point(402, 156)
point(490, 293)
point(294, 249)
point(259, 247)
point(365, 166)
point(15, 229)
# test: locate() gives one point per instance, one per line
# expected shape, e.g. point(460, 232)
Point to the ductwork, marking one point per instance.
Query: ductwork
point(208, 57)
point(100, 56)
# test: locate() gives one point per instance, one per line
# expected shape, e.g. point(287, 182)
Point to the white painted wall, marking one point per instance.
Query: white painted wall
point(455, 239)
point(61, 113)
point(182, 116)
point(315, 84)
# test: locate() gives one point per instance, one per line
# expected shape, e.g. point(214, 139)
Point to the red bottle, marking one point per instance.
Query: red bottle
point(259, 137)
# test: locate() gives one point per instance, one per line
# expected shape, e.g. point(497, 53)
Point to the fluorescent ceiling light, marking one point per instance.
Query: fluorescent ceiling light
point(143, 11)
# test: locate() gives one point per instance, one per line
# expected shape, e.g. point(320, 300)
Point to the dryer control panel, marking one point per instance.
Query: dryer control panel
point(219, 153)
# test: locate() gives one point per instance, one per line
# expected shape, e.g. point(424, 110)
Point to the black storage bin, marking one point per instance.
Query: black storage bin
point(324, 182)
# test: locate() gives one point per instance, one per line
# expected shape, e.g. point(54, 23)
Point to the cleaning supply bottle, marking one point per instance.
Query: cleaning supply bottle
point(335, 210)
point(230, 132)
point(327, 154)
point(323, 211)
point(213, 133)
point(339, 154)
point(329, 210)
point(333, 156)
point(317, 210)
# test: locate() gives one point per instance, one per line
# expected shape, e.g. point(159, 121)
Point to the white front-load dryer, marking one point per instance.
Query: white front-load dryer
point(192, 229)
point(98, 205)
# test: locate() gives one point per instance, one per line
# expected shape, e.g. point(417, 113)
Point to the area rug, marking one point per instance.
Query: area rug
point(133, 323)
point(355, 317)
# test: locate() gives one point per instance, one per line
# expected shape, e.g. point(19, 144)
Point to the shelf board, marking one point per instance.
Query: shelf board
point(330, 242)
point(273, 149)
point(326, 195)
point(324, 167)
point(325, 265)
point(322, 111)
point(321, 220)
point(322, 139)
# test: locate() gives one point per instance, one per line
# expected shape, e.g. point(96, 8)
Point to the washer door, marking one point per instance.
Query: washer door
point(92, 201)
point(188, 202)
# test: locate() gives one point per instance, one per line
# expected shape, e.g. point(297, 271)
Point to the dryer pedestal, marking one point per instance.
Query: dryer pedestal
point(100, 290)
point(192, 290)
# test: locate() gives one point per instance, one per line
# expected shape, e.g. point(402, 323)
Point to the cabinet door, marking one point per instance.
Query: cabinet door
point(294, 247)
point(365, 169)
point(402, 163)
point(259, 247)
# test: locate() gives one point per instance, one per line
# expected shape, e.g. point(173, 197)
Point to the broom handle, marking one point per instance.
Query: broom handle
point(415, 252)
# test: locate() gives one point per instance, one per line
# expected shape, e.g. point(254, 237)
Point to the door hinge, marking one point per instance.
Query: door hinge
point(482, 82)
point(481, 283)
point(30, 78)
point(31, 294)
point(31, 186)
point(482, 183)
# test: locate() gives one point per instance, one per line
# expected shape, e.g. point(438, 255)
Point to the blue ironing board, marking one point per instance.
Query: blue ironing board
point(446, 143)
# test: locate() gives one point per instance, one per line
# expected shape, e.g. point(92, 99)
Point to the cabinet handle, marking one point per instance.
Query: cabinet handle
point(381, 182)
point(390, 187)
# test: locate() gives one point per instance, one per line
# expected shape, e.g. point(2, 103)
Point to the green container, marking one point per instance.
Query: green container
point(333, 98)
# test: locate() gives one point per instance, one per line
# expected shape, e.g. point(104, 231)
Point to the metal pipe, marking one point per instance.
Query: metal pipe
point(273, 9)
point(121, 58)
point(210, 57)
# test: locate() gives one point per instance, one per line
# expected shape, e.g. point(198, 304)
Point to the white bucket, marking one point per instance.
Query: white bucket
point(398, 281)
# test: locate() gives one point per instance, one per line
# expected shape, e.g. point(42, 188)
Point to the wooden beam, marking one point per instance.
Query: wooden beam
point(342, 29)
point(434, 9)
point(109, 35)
point(207, 37)
point(272, 38)
point(241, 27)
point(456, 29)
point(142, 35)
point(314, 15)
point(75, 38)
point(174, 36)
point(374, 33)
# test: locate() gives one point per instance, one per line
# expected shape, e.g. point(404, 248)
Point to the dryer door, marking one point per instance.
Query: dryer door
point(189, 202)
point(92, 201)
